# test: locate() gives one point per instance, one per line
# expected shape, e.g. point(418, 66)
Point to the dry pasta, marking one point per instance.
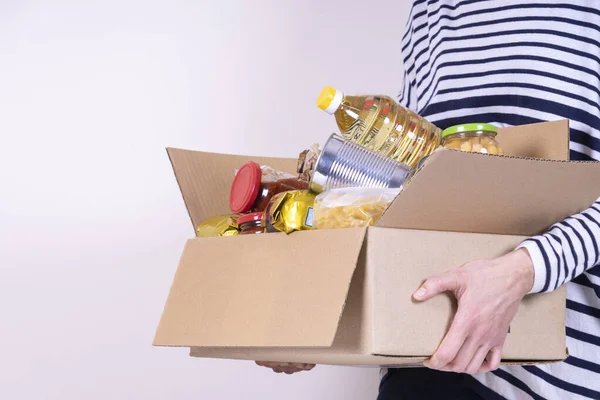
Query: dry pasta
point(351, 207)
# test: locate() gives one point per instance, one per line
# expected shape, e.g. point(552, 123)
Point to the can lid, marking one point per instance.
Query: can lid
point(252, 217)
point(475, 127)
point(329, 99)
point(244, 188)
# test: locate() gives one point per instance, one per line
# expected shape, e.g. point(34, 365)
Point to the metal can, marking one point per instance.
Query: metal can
point(346, 164)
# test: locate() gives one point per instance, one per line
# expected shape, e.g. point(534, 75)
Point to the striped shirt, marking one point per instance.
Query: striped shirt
point(518, 62)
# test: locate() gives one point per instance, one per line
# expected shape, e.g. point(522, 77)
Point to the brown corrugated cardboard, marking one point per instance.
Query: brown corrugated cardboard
point(290, 309)
point(491, 194)
point(263, 286)
point(205, 179)
point(344, 296)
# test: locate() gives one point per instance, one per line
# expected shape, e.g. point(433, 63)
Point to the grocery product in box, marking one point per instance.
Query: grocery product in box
point(252, 223)
point(254, 185)
point(351, 207)
point(306, 162)
point(382, 125)
point(478, 138)
point(346, 164)
point(223, 225)
point(290, 211)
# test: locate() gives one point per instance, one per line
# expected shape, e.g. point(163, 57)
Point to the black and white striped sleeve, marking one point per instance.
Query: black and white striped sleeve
point(566, 250)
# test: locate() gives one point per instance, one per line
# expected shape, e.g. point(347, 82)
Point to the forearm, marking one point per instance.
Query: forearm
point(566, 250)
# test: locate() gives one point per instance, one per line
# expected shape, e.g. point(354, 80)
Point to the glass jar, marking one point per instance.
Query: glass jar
point(254, 185)
point(477, 138)
point(251, 224)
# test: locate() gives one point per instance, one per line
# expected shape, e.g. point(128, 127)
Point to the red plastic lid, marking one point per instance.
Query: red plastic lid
point(244, 188)
point(252, 217)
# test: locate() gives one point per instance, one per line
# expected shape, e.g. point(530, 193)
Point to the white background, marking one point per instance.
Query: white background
point(91, 220)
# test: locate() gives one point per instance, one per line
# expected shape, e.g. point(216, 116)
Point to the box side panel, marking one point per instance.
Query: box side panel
point(547, 140)
point(400, 260)
point(319, 356)
point(468, 192)
point(355, 328)
point(322, 356)
point(205, 179)
point(261, 290)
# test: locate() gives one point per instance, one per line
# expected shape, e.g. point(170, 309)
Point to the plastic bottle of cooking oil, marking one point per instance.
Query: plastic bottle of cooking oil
point(382, 125)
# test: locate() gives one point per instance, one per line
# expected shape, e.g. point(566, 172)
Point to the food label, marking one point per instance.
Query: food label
point(309, 217)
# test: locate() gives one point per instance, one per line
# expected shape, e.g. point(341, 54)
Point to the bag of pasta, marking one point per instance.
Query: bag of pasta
point(351, 207)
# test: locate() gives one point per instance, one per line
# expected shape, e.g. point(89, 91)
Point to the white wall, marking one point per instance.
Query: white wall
point(91, 221)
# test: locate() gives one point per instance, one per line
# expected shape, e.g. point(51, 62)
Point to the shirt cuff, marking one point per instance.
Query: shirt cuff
point(539, 266)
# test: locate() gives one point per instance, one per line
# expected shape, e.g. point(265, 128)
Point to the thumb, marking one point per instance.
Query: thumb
point(436, 285)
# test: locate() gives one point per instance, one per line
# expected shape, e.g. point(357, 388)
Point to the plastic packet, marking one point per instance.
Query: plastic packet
point(351, 207)
point(290, 211)
point(307, 161)
point(222, 225)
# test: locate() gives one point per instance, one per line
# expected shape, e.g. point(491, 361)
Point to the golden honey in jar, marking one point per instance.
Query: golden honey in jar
point(252, 223)
point(476, 138)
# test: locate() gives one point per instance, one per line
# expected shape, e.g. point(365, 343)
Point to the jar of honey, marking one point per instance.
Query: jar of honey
point(477, 138)
point(255, 185)
point(251, 224)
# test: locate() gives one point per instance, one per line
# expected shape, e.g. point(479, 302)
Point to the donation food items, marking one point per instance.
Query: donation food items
point(380, 124)
point(477, 138)
point(307, 161)
point(254, 185)
point(252, 223)
point(352, 180)
point(346, 164)
point(222, 225)
point(351, 207)
point(290, 211)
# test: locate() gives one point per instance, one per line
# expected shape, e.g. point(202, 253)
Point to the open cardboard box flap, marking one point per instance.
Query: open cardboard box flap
point(261, 290)
point(459, 192)
point(205, 179)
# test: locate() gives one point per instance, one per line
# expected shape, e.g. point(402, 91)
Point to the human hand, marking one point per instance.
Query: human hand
point(488, 293)
point(287, 368)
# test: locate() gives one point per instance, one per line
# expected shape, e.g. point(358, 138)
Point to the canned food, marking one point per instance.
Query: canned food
point(347, 164)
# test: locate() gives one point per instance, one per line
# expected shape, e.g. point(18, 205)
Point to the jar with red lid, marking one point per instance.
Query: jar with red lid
point(251, 224)
point(253, 187)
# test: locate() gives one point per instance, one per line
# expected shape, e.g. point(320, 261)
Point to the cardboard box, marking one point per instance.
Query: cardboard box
point(344, 296)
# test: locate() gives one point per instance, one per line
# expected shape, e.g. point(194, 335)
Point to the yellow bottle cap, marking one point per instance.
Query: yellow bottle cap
point(329, 99)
